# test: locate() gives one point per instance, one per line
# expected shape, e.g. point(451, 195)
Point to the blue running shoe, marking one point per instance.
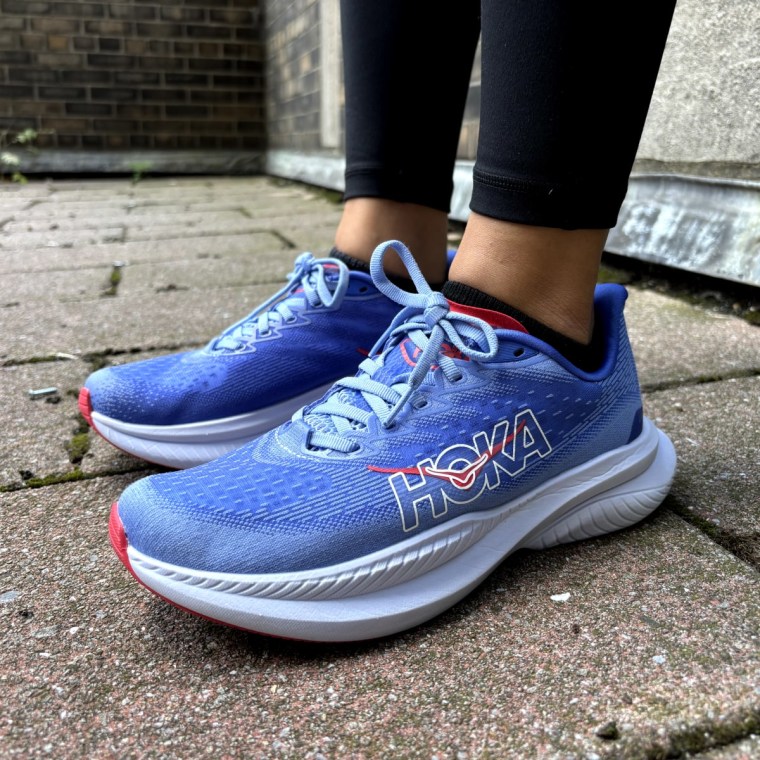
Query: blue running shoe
point(185, 409)
point(390, 498)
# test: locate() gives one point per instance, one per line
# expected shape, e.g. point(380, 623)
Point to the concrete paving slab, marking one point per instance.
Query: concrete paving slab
point(218, 226)
point(171, 319)
point(259, 263)
point(61, 285)
point(33, 189)
point(715, 428)
point(659, 636)
point(60, 238)
point(187, 222)
point(53, 220)
point(675, 342)
point(747, 749)
point(47, 437)
point(163, 189)
point(11, 207)
point(258, 201)
point(56, 258)
point(266, 267)
point(36, 432)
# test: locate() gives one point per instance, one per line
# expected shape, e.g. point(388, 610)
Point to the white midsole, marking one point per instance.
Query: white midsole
point(194, 443)
point(408, 583)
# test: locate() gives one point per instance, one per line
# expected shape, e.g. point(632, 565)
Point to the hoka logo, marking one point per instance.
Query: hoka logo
point(466, 471)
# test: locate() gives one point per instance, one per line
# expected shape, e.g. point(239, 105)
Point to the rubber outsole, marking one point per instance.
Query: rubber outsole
point(412, 582)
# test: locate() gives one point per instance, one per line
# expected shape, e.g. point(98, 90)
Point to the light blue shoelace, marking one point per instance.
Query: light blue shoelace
point(428, 322)
point(310, 274)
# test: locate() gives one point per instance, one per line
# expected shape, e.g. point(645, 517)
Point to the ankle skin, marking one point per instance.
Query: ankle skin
point(545, 272)
point(367, 222)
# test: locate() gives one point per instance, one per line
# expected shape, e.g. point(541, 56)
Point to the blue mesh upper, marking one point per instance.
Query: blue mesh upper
point(246, 369)
point(283, 504)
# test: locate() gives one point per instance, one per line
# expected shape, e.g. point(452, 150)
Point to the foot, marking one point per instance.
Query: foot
point(188, 408)
point(461, 439)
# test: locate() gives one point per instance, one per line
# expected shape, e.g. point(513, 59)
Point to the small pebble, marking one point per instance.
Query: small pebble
point(608, 731)
point(560, 597)
point(659, 659)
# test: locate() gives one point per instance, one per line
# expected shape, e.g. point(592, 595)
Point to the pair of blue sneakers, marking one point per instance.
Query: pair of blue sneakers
point(329, 504)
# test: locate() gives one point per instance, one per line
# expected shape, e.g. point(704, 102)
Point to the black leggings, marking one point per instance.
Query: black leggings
point(565, 89)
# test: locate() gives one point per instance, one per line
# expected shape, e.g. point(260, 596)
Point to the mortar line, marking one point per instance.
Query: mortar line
point(739, 547)
point(666, 385)
point(73, 476)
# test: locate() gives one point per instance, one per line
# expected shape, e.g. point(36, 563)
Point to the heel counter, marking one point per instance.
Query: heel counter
point(629, 377)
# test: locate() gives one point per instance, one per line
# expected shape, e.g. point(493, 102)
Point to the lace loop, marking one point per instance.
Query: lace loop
point(310, 275)
point(428, 322)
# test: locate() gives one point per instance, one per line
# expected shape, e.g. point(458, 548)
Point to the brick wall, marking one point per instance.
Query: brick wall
point(292, 65)
point(139, 74)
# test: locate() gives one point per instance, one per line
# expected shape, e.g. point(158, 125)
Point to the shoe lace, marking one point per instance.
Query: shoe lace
point(426, 320)
point(310, 274)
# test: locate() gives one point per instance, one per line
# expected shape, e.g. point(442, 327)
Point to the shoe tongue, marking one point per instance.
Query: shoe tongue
point(395, 369)
point(398, 363)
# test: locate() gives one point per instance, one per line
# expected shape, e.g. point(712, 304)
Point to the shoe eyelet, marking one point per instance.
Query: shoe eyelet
point(519, 352)
point(457, 379)
point(421, 403)
point(363, 289)
point(265, 334)
point(291, 320)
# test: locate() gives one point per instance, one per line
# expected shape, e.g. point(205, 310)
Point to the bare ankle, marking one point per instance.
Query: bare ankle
point(547, 273)
point(367, 222)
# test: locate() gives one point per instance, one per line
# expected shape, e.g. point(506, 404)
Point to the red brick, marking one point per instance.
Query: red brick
point(133, 73)
point(56, 25)
point(58, 43)
point(60, 59)
point(26, 7)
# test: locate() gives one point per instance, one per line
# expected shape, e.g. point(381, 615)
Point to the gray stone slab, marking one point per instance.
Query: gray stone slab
point(164, 320)
point(42, 439)
point(66, 285)
point(57, 258)
point(675, 342)
point(284, 219)
point(164, 189)
point(36, 433)
point(746, 749)
point(147, 230)
point(187, 221)
point(33, 189)
point(658, 635)
point(12, 207)
point(60, 238)
point(107, 204)
point(715, 428)
point(262, 268)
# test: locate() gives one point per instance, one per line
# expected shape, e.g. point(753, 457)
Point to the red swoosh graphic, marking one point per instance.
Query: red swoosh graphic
point(464, 478)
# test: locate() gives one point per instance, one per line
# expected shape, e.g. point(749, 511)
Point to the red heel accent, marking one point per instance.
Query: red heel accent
point(85, 405)
point(118, 537)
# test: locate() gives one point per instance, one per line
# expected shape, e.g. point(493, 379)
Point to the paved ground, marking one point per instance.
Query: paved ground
point(654, 654)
